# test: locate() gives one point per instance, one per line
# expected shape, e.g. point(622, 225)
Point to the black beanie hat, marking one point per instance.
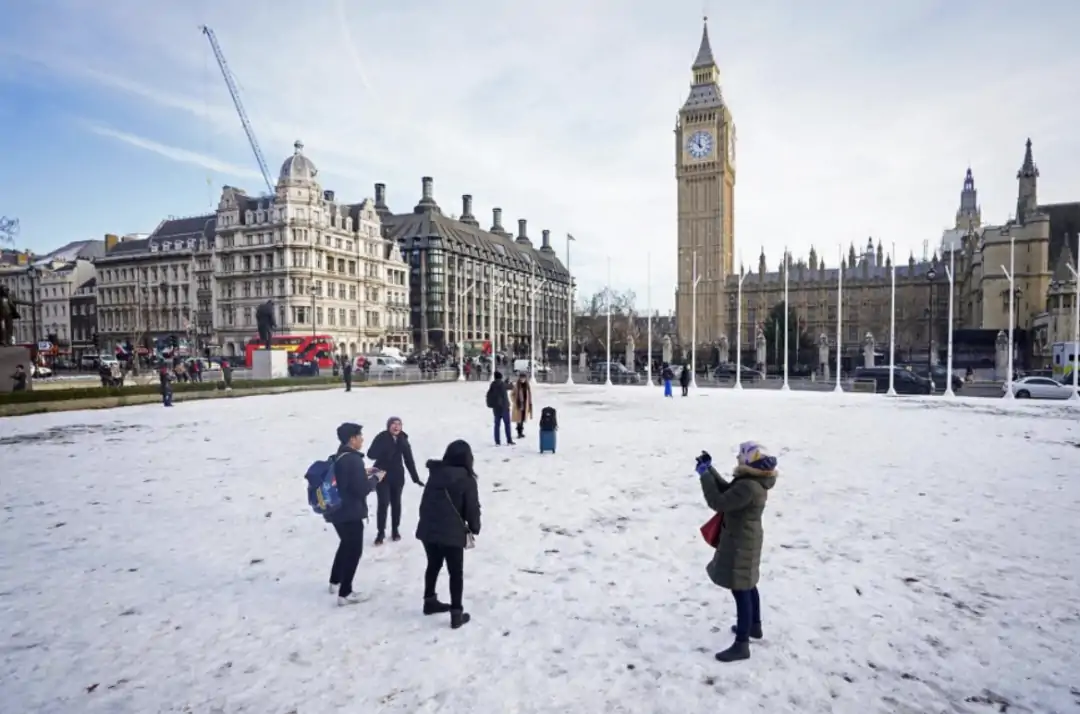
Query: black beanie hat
point(498, 375)
point(347, 431)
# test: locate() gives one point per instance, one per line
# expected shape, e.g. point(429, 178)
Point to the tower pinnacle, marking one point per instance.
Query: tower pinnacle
point(704, 59)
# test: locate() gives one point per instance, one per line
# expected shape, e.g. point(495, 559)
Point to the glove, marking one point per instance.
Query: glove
point(704, 463)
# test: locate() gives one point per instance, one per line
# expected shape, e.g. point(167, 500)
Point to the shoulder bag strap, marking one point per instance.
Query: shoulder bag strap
point(463, 523)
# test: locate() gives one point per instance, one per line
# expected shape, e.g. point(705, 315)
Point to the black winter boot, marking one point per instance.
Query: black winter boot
point(755, 631)
point(737, 651)
point(458, 618)
point(380, 539)
point(432, 606)
point(395, 536)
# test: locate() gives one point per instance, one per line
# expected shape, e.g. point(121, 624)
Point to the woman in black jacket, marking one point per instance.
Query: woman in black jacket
point(449, 511)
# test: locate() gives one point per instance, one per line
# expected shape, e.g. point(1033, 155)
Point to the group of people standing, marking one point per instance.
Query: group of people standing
point(449, 510)
point(510, 401)
point(668, 374)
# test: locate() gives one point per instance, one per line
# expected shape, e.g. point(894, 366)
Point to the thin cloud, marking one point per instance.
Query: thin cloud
point(851, 123)
point(173, 153)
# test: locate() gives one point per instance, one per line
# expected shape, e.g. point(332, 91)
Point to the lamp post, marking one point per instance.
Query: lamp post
point(693, 325)
point(569, 315)
point(495, 293)
point(892, 323)
point(648, 319)
point(312, 291)
point(738, 330)
point(607, 294)
point(1076, 324)
point(950, 272)
point(532, 337)
point(32, 274)
point(1012, 297)
point(839, 316)
point(461, 296)
point(931, 276)
point(787, 311)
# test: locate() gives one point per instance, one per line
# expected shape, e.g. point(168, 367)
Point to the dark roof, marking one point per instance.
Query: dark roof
point(427, 227)
point(175, 232)
point(704, 54)
point(75, 250)
point(1064, 227)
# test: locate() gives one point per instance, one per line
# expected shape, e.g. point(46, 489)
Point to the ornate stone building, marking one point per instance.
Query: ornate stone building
point(705, 171)
point(474, 285)
point(324, 263)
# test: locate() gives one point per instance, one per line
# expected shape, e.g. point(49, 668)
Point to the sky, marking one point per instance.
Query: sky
point(854, 119)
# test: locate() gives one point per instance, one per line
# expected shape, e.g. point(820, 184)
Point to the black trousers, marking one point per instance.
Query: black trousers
point(347, 559)
point(389, 494)
point(348, 381)
point(685, 389)
point(747, 612)
point(455, 566)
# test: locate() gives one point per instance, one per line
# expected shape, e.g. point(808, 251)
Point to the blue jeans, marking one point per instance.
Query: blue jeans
point(667, 387)
point(504, 420)
point(166, 397)
point(747, 612)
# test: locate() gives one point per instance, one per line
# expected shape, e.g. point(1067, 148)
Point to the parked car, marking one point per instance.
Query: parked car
point(619, 374)
point(938, 374)
point(88, 362)
point(726, 373)
point(1038, 388)
point(521, 366)
point(904, 381)
point(41, 372)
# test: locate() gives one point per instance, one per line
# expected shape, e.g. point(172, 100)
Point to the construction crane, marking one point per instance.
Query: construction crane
point(235, 93)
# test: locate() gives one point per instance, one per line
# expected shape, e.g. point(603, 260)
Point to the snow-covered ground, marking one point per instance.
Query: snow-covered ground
point(921, 556)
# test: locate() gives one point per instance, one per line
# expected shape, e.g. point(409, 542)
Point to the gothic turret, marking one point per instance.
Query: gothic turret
point(1027, 189)
point(969, 215)
point(705, 85)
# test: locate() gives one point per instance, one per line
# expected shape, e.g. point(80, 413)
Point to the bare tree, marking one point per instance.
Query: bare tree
point(590, 329)
point(9, 231)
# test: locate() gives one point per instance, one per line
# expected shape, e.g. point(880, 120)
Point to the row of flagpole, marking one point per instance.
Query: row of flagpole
point(696, 278)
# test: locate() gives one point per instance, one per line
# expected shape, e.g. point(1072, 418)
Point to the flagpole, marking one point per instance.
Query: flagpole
point(569, 315)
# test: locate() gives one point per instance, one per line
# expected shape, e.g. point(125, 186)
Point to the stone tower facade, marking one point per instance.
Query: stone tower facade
point(705, 171)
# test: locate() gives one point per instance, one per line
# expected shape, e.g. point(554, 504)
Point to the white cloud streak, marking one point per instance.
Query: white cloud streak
point(173, 153)
point(853, 119)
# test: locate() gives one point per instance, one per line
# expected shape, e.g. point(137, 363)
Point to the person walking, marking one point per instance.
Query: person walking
point(354, 481)
point(346, 374)
point(391, 452)
point(667, 375)
point(449, 520)
point(166, 378)
point(684, 380)
point(498, 401)
point(735, 564)
point(521, 394)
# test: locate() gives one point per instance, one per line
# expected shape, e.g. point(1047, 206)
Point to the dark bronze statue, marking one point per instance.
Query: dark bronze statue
point(9, 313)
point(264, 318)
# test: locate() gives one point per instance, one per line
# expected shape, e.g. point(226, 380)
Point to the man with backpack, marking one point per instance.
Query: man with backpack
point(498, 401)
point(391, 453)
point(354, 481)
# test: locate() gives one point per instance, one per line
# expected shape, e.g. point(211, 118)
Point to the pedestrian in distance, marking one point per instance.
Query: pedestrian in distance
point(737, 559)
point(391, 452)
point(667, 375)
point(346, 373)
point(684, 380)
point(354, 482)
point(521, 395)
point(165, 376)
point(449, 522)
point(498, 401)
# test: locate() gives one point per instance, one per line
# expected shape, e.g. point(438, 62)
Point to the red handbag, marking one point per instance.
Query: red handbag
point(711, 530)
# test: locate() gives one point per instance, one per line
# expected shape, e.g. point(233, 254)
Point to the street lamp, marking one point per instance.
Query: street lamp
point(460, 318)
point(32, 274)
point(738, 330)
point(787, 311)
point(1010, 276)
point(931, 276)
point(892, 323)
point(607, 381)
point(313, 292)
point(950, 271)
point(693, 325)
point(839, 317)
point(648, 319)
point(532, 337)
point(569, 315)
point(1076, 325)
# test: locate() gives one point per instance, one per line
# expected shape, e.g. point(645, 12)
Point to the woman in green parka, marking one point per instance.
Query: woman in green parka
point(735, 564)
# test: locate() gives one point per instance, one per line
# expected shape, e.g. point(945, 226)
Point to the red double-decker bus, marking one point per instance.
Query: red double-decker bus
point(301, 348)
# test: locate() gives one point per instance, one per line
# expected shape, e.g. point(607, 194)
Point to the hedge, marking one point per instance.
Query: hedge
point(61, 395)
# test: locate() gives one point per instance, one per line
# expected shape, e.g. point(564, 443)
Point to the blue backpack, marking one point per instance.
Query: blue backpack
point(323, 495)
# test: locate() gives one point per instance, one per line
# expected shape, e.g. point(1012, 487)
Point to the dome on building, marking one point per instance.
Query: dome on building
point(298, 167)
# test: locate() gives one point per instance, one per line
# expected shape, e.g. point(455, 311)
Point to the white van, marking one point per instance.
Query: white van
point(521, 366)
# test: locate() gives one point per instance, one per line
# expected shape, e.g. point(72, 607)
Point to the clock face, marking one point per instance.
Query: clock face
point(700, 144)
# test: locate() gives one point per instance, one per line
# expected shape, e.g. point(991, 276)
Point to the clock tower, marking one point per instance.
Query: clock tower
point(705, 171)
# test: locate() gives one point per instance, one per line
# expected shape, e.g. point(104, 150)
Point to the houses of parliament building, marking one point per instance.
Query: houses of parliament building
point(1044, 240)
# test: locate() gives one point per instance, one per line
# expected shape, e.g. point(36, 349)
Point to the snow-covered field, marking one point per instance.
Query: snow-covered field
point(921, 556)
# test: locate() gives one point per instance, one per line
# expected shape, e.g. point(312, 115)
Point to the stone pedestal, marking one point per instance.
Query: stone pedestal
point(269, 364)
point(11, 357)
point(1001, 356)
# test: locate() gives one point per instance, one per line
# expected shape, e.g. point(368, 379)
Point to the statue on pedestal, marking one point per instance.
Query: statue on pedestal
point(823, 355)
point(725, 349)
point(869, 345)
point(630, 352)
point(264, 319)
point(9, 313)
point(666, 350)
point(1001, 355)
point(760, 346)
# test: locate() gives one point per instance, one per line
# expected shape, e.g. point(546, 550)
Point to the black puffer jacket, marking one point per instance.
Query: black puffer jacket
point(498, 396)
point(354, 485)
point(451, 500)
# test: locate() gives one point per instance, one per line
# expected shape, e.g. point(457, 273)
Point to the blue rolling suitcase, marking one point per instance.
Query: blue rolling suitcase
point(549, 426)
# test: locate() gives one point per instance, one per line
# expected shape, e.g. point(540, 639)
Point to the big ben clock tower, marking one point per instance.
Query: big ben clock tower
point(705, 171)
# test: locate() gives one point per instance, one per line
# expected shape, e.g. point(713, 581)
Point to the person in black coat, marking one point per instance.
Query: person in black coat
point(449, 510)
point(354, 481)
point(684, 380)
point(346, 373)
point(498, 401)
point(390, 451)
